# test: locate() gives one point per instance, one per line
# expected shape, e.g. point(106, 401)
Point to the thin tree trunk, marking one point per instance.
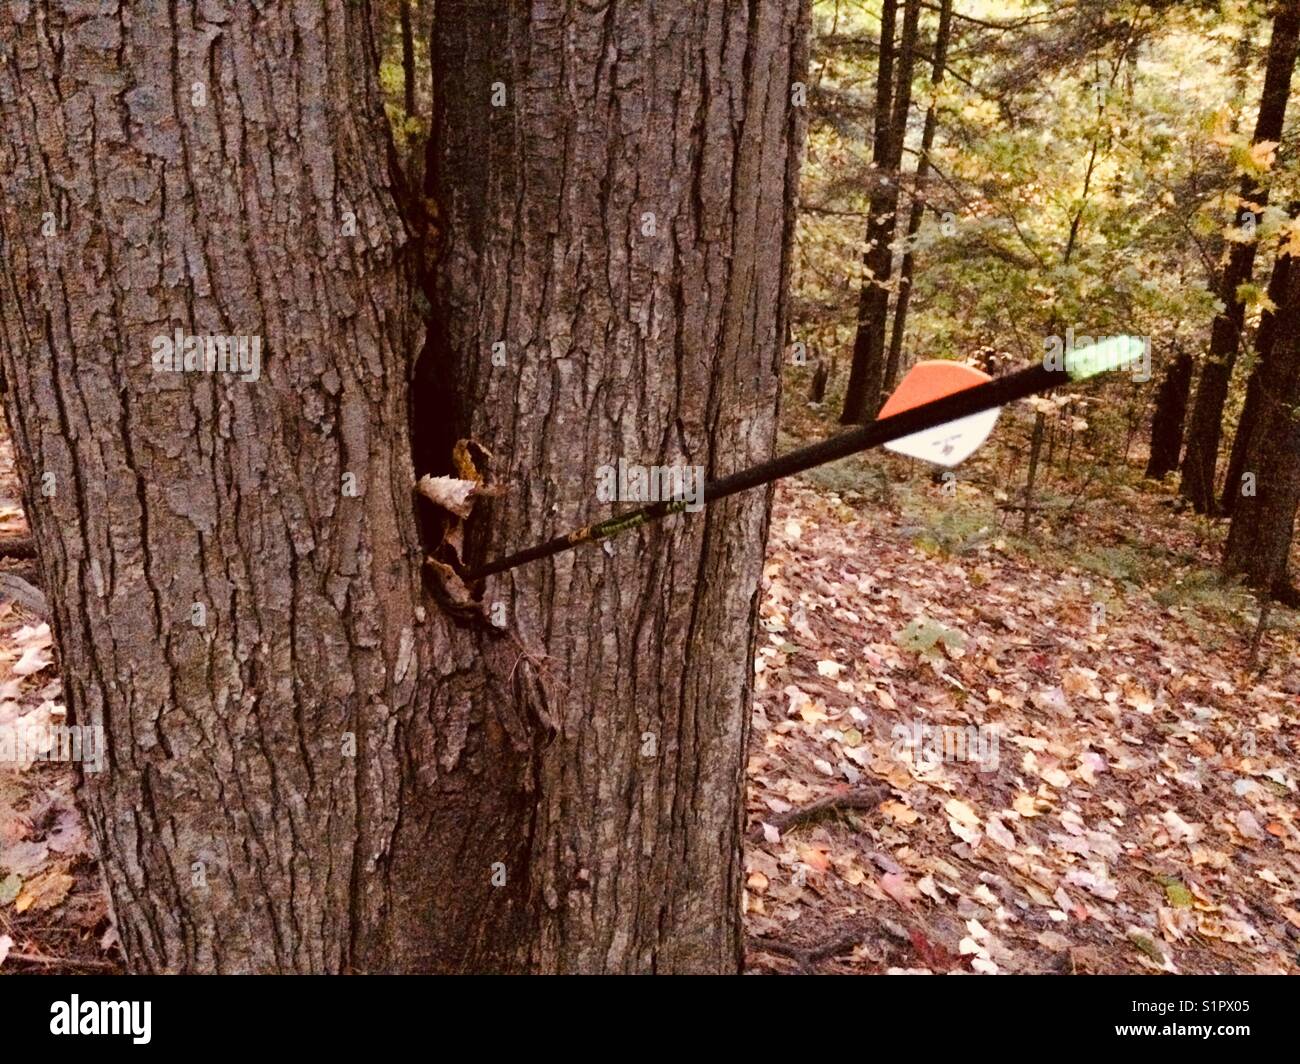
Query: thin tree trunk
point(312, 764)
point(1204, 428)
point(1167, 420)
point(1035, 449)
point(893, 98)
point(1263, 519)
point(901, 303)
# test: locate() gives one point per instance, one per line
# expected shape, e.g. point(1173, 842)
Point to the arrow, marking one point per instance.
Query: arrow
point(941, 412)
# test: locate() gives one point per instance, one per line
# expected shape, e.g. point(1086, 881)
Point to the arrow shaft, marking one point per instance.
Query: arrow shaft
point(995, 393)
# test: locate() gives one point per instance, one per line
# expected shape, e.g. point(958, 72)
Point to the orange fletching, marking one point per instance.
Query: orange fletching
point(931, 380)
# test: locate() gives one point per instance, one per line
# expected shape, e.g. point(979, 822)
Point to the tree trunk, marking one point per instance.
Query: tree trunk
point(1204, 428)
point(893, 100)
point(313, 766)
point(899, 325)
point(1035, 449)
point(1263, 520)
point(1167, 420)
point(1246, 425)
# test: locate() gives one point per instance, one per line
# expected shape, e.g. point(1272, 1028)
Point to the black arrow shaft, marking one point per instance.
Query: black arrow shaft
point(994, 393)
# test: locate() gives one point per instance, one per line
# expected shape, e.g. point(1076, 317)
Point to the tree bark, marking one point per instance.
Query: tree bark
point(1263, 522)
point(1204, 428)
point(331, 772)
point(899, 325)
point(1167, 419)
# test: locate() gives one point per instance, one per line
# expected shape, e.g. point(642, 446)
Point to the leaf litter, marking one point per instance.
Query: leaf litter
point(1139, 814)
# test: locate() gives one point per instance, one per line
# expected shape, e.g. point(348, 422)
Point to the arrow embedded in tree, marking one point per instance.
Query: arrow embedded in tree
point(941, 412)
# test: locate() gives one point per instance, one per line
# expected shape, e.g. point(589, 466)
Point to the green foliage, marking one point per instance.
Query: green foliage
point(928, 638)
point(1121, 564)
point(1086, 171)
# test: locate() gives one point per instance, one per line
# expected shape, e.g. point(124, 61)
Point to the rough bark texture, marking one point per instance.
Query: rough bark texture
point(238, 831)
point(1204, 427)
point(1170, 412)
point(197, 173)
point(622, 226)
point(1263, 523)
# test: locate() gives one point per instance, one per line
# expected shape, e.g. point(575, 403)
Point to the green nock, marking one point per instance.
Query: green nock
point(1114, 352)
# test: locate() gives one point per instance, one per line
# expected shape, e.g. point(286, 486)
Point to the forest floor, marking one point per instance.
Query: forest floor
point(973, 749)
point(977, 750)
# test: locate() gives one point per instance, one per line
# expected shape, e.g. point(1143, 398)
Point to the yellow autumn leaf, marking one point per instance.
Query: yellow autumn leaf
point(899, 812)
point(962, 813)
point(44, 892)
point(1025, 805)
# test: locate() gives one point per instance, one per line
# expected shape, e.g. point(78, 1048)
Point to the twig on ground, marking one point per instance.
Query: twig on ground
point(863, 798)
point(808, 957)
point(67, 962)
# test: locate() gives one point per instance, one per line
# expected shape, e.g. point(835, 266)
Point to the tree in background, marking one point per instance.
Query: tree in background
point(1032, 110)
point(1204, 427)
point(1263, 517)
point(899, 325)
point(1170, 410)
point(893, 103)
point(1265, 339)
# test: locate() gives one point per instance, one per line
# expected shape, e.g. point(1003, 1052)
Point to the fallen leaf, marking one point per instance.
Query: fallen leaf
point(999, 833)
point(899, 812)
point(1180, 829)
point(898, 887)
point(962, 813)
point(1025, 804)
point(44, 892)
